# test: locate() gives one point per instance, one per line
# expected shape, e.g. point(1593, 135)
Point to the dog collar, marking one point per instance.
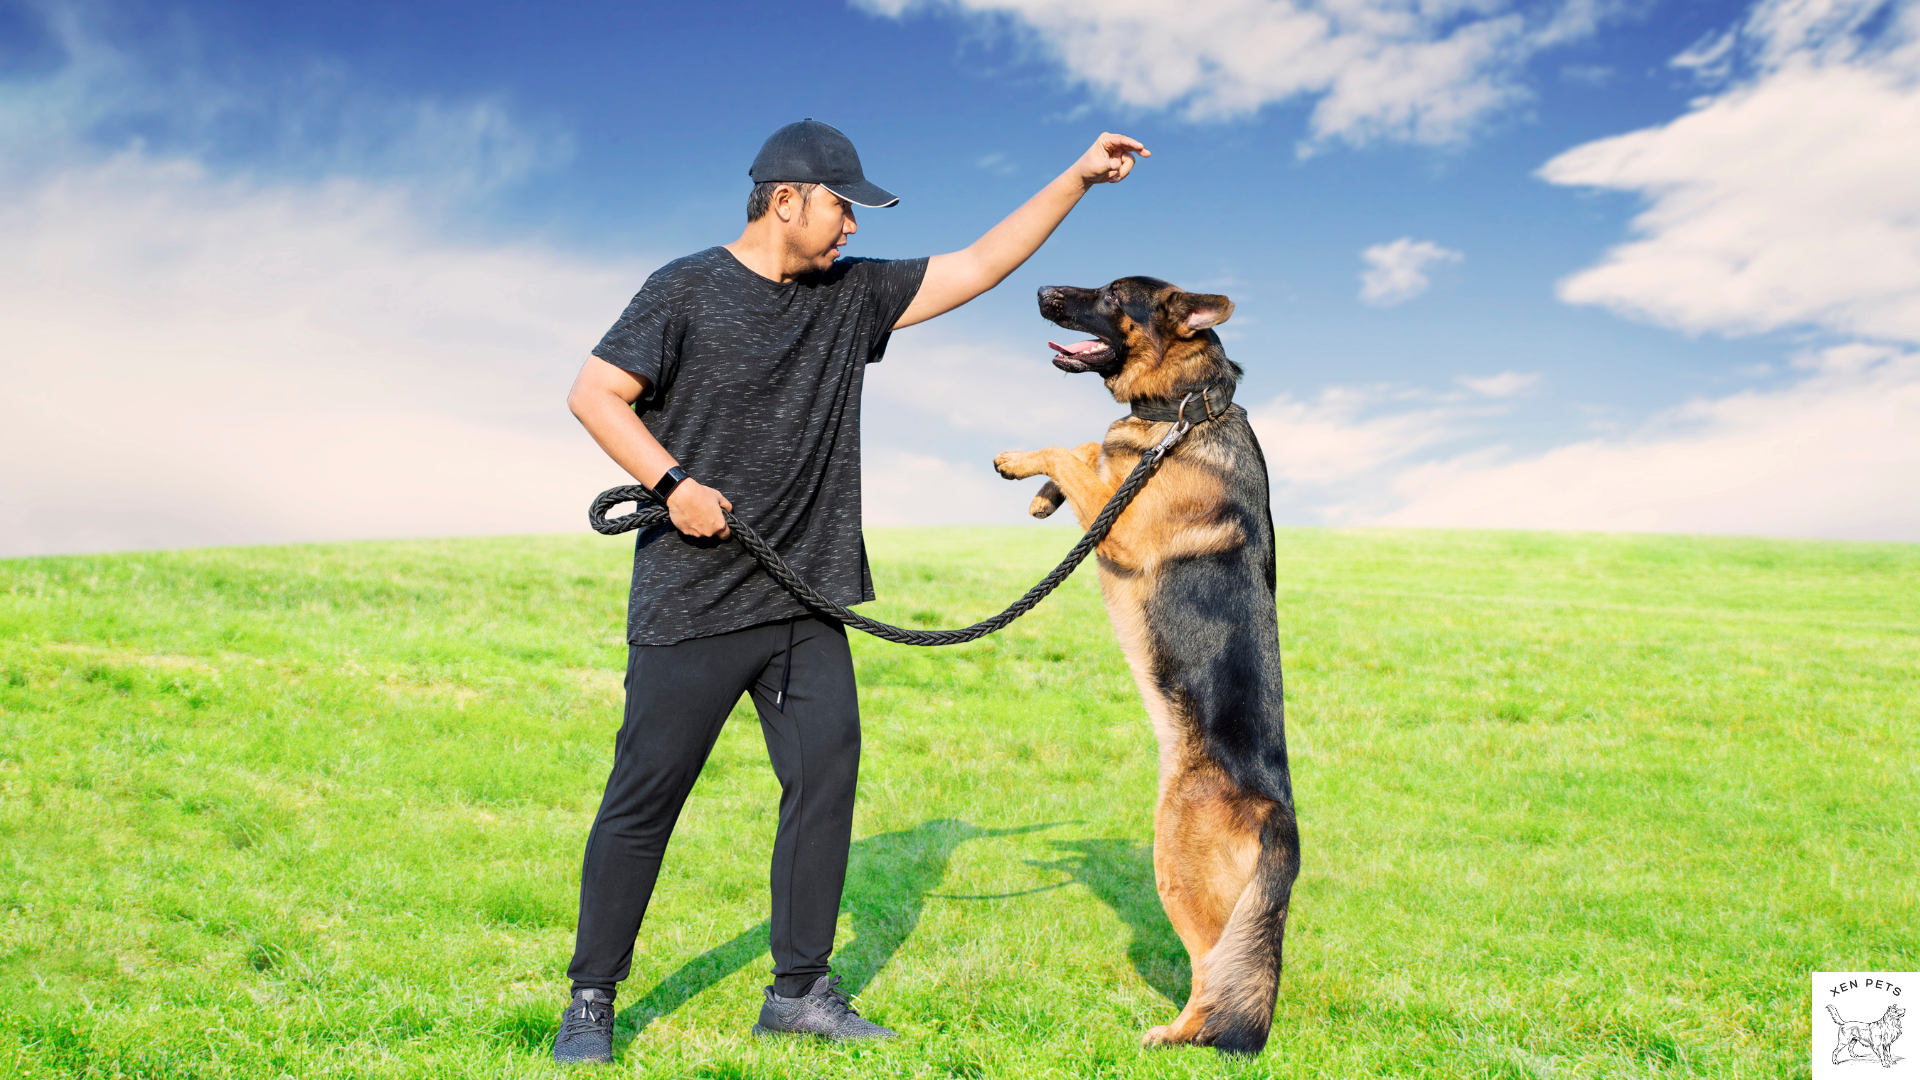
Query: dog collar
point(1209, 403)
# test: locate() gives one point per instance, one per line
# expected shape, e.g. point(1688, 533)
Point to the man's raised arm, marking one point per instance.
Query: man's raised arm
point(955, 278)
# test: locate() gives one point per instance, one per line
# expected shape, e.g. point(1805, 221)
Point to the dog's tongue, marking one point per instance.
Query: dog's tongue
point(1077, 347)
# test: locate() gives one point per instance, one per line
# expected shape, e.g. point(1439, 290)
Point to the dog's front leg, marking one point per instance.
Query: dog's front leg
point(1072, 477)
point(1046, 500)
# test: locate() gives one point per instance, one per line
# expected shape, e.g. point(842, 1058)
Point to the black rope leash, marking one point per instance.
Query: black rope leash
point(651, 512)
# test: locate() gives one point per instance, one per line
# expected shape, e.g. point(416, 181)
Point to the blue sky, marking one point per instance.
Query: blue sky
point(359, 249)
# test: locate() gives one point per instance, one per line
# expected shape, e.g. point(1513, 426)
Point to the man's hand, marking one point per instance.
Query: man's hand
point(1109, 159)
point(695, 509)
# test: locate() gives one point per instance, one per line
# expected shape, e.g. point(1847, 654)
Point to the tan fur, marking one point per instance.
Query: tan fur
point(1207, 832)
point(1206, 835)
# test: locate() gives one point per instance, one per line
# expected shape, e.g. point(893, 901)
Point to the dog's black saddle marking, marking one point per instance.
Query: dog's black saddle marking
point(1200, 403)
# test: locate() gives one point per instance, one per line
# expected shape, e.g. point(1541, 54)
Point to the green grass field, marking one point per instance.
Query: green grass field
point(1572, 806)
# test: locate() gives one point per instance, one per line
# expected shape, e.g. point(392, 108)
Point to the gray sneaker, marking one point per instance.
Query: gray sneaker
point(586, 1030)
point(822, 1010)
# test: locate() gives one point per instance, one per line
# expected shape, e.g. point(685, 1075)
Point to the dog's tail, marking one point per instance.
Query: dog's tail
point(1243, 969)
point(1835, 1013)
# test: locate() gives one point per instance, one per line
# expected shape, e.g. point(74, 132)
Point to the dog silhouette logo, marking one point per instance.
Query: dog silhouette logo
point(1860, 1031)
point(1861, 1040)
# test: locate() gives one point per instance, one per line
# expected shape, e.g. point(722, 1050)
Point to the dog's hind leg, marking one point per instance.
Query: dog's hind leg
point(1243, 971)
point(1185, 853)
point(1236, 976)
point(1209, 853)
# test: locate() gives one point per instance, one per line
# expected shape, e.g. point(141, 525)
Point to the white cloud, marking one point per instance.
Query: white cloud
point(937, 372)
point(1837, 454)
point(1505, 384)
point(1424, 71)
point(1338, 436)
point(196, 355)
point(1397, 272)
point(997, 164)
point(1594, 75)
point(298, 120)
point(1789, 199)
point(900, 487)
point(191, 360)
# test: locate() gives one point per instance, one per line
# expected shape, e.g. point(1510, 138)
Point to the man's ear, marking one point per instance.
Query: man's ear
point(1198, 311)
point(788, 204)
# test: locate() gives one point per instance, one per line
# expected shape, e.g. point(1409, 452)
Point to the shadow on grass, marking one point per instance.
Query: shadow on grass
point(888, 880)
point(1119, 873)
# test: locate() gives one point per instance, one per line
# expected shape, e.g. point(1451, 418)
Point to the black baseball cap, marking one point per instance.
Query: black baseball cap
point(811, 152)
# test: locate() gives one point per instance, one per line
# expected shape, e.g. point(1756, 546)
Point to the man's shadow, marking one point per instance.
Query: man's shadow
point(888, 880)
point(1120, 875)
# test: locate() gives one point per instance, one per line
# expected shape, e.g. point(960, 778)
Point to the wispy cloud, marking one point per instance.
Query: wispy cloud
point(997, 164)
point(198, 354)
point(1428, 73)
point(1836, 454)
point(292, 122)
point(1791, 198)
point(193, 361)
point(1594, 75)
point(1346, 432)
point(901, 487)
point(1505, 384)
point(1397, 272)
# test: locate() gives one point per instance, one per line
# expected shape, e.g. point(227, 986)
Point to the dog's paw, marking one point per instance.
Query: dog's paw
point(1159, 1036)
point(1045, 501)
point(1017, 464)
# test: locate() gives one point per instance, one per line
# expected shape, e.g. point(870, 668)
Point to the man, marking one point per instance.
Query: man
point(746, 362)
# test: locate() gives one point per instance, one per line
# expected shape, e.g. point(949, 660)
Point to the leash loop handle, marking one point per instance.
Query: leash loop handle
point(651, 512)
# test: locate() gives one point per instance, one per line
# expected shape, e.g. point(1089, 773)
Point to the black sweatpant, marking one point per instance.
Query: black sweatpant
point(800, 674)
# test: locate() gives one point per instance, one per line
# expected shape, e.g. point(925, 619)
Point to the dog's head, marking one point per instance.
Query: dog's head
point(1150, 340)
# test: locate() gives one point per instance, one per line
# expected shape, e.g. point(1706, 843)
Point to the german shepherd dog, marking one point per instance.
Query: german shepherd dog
point(1188, 574)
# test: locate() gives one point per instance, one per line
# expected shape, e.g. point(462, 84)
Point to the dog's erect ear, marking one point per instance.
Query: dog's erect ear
point(1195, 312)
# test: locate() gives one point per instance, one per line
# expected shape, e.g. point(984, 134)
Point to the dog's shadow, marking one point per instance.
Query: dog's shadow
point(889, 878)
point(1119, 873)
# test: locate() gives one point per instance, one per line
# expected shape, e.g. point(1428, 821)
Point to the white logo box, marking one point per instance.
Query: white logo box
point(1863, 1025)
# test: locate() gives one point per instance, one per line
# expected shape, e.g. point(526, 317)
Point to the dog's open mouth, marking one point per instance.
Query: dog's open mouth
point(1081, 355)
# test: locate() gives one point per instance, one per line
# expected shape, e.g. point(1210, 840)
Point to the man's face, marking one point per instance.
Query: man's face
point(820, 229)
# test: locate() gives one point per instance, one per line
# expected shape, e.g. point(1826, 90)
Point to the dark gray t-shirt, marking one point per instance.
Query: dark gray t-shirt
point(756, 391)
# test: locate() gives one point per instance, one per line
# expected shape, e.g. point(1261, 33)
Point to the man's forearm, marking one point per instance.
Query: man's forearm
point(954, 279)
point(1012, 242)
point(602, 399)
point(621, 434)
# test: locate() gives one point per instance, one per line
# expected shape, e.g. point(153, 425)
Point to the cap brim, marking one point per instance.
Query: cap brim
point(863, 193)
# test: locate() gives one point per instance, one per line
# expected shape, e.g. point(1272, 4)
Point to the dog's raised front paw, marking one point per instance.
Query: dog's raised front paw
point(1016, 464)
point(1046, 500)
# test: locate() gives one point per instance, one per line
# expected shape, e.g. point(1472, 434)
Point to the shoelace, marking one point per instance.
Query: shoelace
point(583, 1018)
point(838, 997)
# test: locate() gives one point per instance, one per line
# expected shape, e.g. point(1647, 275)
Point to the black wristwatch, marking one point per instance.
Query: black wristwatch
point(665, 485)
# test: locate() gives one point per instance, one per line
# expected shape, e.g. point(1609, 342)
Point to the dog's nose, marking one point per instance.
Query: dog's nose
point(1049, 300)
